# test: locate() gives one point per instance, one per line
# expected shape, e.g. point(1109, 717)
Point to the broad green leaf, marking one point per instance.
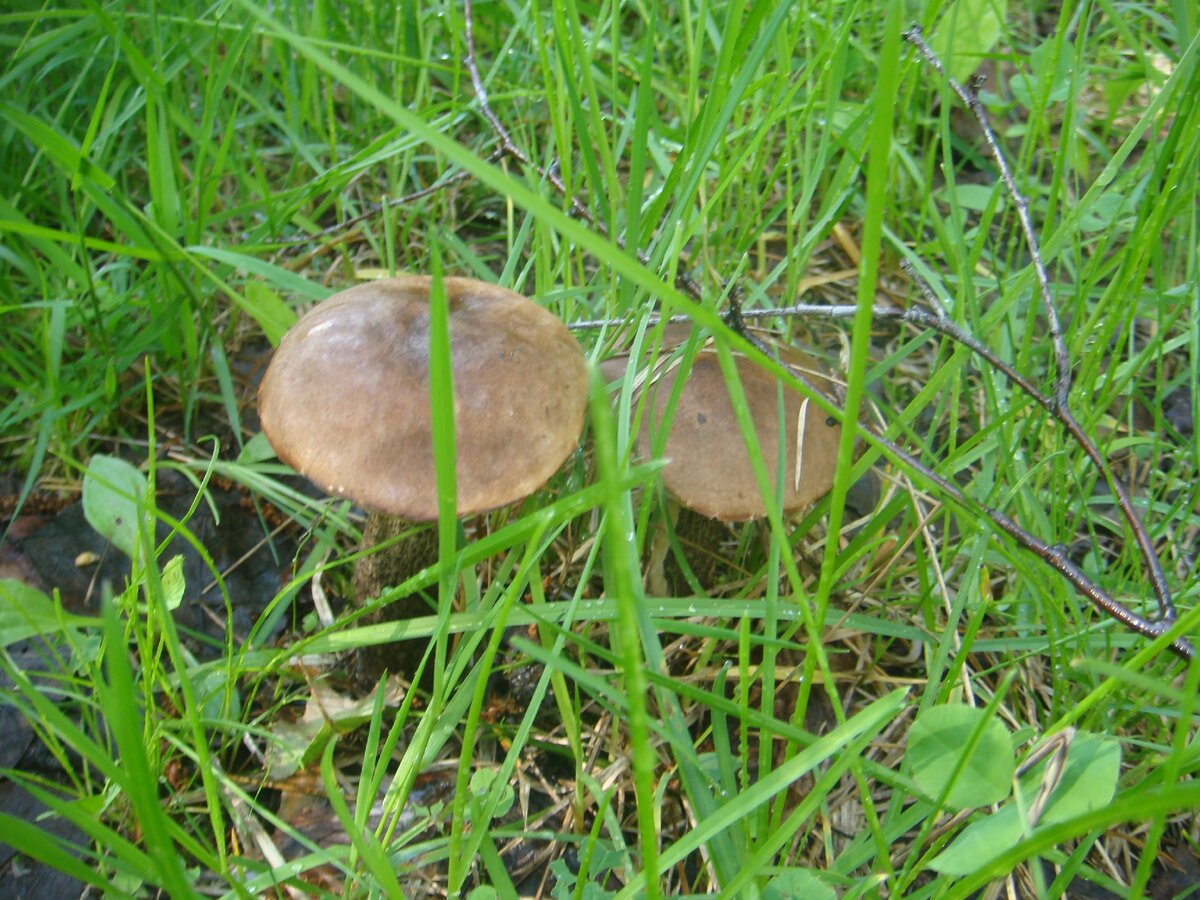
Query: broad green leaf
point(112, 501)
point(1088, 782)
point(936, 744)
point(267, 308)
point(218, 696)
point(1103, 214)
point(257, 449)
point(980, 842)
point(966, 33)
point(1090, 779)
point(295, 744)
point(1049, 78)
point(260, 299)
point(973, 196)
point(25, 612)
point(603, 860)
point(481, 785)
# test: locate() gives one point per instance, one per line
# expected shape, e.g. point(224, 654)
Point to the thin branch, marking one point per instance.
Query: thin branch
point(1052, 555)
point(1061, 408)
point(970, 98)
point(375, 208)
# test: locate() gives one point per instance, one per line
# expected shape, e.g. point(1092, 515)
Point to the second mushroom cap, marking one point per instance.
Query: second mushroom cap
point(709, 469)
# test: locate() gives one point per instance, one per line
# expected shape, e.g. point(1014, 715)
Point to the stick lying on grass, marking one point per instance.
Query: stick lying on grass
point(1058, 405)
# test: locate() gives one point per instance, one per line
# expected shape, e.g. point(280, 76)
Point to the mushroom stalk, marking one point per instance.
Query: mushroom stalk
point(373, 574)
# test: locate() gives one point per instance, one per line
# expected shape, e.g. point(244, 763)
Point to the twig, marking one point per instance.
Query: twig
point(1060, 408)
point(1051, 554)
point(970, 97)
point(375, 208)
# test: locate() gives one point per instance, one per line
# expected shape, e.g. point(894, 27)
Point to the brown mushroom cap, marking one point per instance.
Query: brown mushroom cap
point(345, 400)
point(709, 469)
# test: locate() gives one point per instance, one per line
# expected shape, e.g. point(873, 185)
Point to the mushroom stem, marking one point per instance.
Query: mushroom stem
point(699, 539)
point(404, 558)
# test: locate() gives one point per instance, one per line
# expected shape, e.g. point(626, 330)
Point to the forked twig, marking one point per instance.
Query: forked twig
point(1056, 404)
point(1059, 406)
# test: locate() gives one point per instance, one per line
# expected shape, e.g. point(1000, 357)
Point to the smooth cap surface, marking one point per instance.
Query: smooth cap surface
point(345, 400)
point(709, 469)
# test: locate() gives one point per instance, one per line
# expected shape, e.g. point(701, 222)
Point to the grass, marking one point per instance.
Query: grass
point(752, 740)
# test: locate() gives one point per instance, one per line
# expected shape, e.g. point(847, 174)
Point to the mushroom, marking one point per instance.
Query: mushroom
point(709, 470)
point(345, 402)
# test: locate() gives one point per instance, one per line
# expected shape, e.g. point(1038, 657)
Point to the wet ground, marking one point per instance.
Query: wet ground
point(49, 545)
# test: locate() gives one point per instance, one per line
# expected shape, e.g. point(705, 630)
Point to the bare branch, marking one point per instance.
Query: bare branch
point(1061, 407)
point(971, 99)
point(342, 230)
point(1051, 554)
